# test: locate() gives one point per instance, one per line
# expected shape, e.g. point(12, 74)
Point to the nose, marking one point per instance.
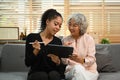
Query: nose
point(58, 27)
point(70, 27)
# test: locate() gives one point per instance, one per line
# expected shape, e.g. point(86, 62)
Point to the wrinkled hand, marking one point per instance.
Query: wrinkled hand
point(76, 58)
point(54, 58)
point(65, 61)
point(67, 43)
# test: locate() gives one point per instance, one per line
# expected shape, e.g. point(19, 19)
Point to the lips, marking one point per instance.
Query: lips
point(55, 31)
point(72, 31)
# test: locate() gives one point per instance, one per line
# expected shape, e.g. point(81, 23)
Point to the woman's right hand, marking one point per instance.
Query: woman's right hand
point(64, 61)
point(36, 47)
point(76, 58)
point(67, 61)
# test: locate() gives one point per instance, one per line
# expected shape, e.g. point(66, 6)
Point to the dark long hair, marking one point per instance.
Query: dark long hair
point(48, 15)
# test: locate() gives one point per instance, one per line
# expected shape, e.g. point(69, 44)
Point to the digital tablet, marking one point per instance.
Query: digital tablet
point(60, 50)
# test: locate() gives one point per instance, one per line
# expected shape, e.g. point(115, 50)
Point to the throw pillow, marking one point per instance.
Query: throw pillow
point(104, 59)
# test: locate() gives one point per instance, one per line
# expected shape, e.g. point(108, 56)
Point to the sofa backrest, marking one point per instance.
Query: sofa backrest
point(12, 58)
point(113, 50)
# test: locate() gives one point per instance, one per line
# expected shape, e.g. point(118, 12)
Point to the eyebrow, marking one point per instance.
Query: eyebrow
point(58, 23)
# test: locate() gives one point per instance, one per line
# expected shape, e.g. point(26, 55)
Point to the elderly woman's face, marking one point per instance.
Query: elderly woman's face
point(74, 28)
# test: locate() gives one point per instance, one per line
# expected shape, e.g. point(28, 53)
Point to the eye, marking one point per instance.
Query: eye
point(59, 26)
point(69, 24)
point(75, 25)
point(55, 23)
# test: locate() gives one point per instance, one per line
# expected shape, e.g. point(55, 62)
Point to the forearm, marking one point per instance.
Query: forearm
point(30, 57)
point(89, 60)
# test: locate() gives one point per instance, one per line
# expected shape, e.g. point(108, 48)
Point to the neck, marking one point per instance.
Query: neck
point(46, 34)
point(76, 37)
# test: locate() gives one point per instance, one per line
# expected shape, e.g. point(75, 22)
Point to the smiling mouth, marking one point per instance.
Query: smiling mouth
point(55, 31)
point(72, 31)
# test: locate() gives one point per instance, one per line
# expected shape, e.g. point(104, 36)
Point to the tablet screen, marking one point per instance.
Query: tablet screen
point(60, 50)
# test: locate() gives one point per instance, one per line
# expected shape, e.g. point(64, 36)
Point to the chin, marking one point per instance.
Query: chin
point(53, 34)
point(72, 34)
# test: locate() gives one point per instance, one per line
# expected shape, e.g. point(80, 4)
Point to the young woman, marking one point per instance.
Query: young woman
point(82, 64)
point(43, 65)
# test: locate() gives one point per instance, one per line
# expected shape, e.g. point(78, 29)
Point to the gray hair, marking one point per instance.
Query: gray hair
point(81, 21)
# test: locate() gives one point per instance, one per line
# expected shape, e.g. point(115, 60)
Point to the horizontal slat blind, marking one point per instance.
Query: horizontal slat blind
point(103, 15)
point(24, 14)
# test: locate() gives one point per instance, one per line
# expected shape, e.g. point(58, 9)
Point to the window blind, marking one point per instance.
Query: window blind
point(103, 15)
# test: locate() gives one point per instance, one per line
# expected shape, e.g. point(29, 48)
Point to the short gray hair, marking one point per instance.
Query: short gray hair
point(80, 20)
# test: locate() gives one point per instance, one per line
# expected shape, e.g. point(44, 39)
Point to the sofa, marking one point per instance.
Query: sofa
point(12, 65)
point(108, 64)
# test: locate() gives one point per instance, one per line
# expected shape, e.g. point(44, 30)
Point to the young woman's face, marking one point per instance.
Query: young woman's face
point(73, 28)
point(54, 25)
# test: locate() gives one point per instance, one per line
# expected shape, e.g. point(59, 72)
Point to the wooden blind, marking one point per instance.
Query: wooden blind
point(26, 14)
point(103, 15)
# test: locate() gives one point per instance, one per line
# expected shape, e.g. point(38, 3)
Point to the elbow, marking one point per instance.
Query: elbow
point(27, 63)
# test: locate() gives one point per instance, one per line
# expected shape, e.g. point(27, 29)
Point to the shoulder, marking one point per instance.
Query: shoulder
point(32, 36)
point(67, 38)
point(87, 36)
point(57, 40)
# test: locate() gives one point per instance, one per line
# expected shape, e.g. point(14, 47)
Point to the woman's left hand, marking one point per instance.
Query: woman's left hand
point(54, 58)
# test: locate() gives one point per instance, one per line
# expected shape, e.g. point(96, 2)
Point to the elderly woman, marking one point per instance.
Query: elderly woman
point(82, 64)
